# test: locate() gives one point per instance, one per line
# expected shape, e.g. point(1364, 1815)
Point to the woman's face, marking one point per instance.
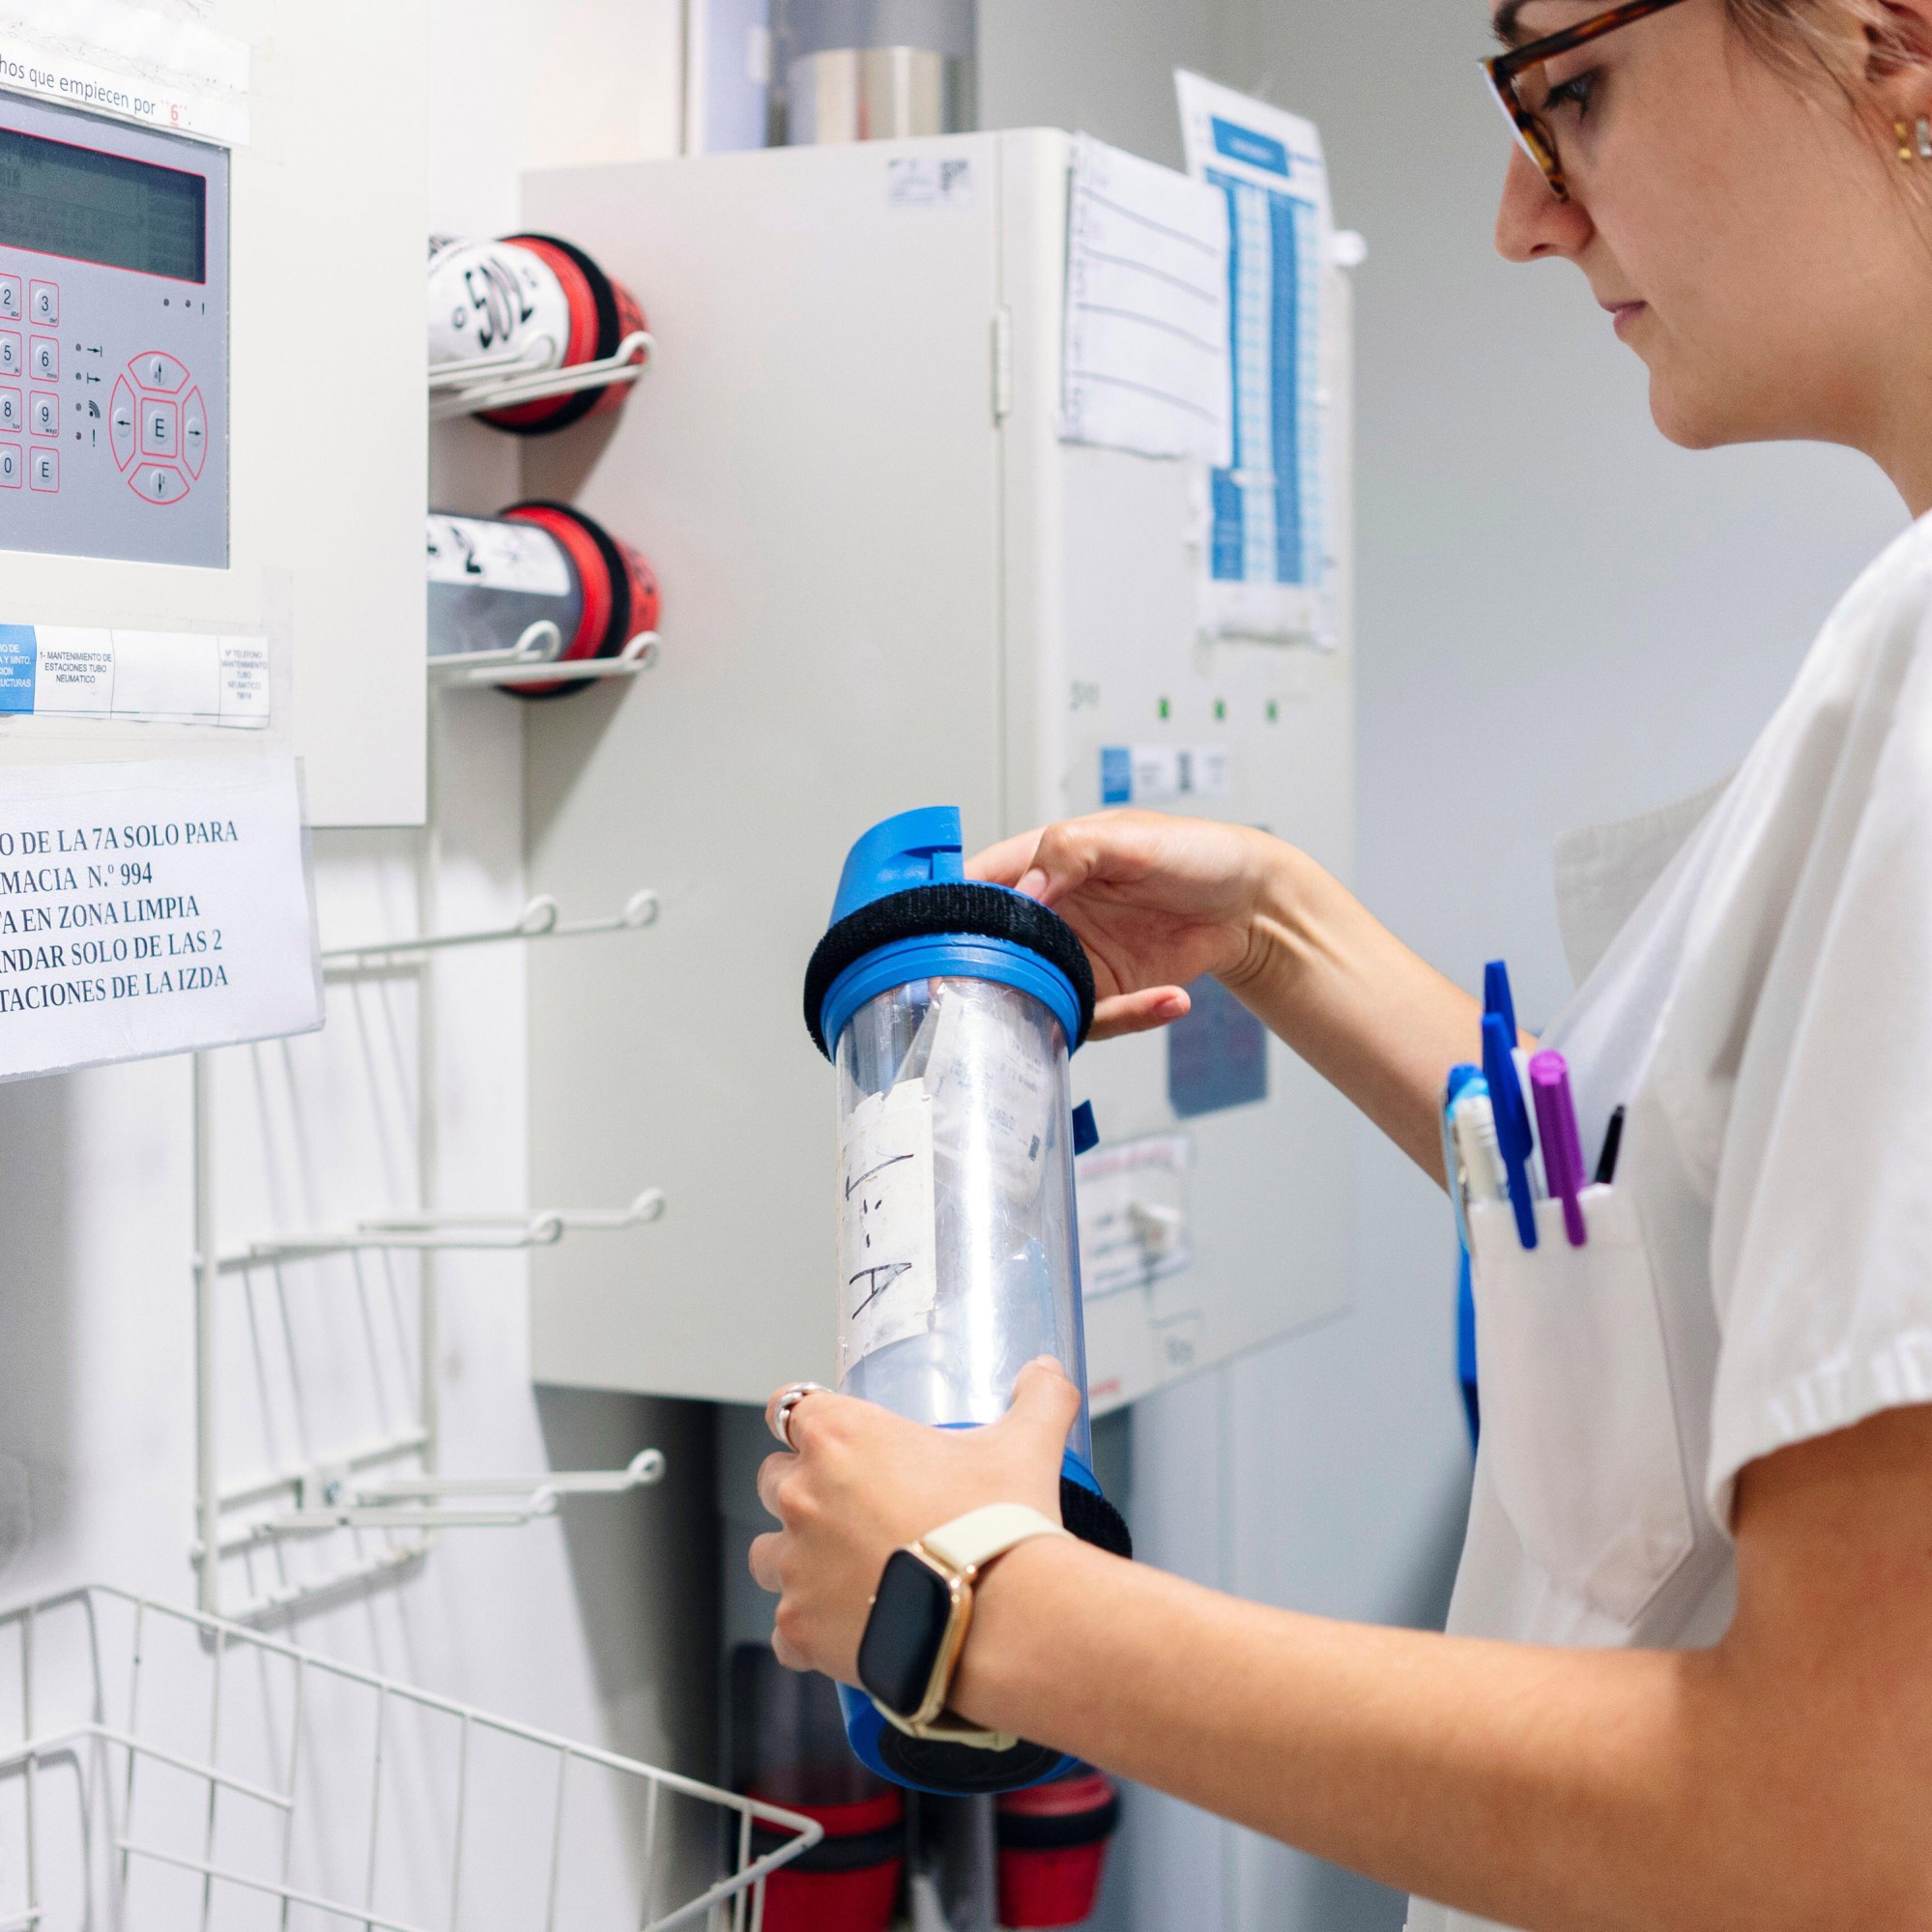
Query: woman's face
point(1744, 236)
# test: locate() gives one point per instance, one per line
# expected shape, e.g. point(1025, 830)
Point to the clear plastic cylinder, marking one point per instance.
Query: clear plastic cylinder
point(959, 1247)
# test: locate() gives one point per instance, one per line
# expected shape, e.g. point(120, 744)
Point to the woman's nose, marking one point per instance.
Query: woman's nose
point(1532, 222)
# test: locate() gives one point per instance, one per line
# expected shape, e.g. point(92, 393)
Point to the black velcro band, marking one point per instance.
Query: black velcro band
point(962, 910)
point(860, 1853)
point(1028, 1832)
point(571, 409)
point(1091, 1517)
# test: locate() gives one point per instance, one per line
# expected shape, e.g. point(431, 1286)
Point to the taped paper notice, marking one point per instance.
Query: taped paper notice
point(1269, 565)
point(175, 677)
point(1134, 1222)
point(107, 57)
point(888, 1258)
point(1145, 354)
point(150, 908)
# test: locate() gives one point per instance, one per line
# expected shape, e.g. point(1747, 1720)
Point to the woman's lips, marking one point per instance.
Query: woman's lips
point(1624, 315)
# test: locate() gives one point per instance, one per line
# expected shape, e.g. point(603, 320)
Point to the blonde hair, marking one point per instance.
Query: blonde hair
point(1812, 41)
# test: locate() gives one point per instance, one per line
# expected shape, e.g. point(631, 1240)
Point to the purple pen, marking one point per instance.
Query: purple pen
point(1561, 1144)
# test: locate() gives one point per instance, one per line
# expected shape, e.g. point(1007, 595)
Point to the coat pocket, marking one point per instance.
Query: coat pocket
point(1580, 1430)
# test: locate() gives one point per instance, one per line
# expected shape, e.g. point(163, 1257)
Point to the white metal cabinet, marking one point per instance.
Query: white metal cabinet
point(886, 583)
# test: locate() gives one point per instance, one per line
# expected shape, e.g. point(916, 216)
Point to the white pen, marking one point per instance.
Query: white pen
point(1473, 1123)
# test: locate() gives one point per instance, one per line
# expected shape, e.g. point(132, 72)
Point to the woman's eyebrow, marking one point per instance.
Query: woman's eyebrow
point(1508, 23)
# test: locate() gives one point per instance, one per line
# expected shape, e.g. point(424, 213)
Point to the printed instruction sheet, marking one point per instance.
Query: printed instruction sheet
point(1268, 563)
point(1146, 339)
point(153, 907)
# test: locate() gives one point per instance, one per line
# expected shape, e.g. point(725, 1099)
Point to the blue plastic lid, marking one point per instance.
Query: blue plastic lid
point(939, 925)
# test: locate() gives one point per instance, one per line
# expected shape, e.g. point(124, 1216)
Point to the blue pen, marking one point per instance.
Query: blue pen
point(1513, 1127)
point(1496, 997)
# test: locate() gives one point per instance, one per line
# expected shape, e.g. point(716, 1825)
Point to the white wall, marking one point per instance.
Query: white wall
point(585, 1625)
point(1537, 571)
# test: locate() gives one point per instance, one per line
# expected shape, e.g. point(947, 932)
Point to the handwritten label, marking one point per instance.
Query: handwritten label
point(150, 908)
point(888, 1262)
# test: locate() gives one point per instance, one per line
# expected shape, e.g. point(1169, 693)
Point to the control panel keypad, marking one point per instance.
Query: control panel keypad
point(145, 418)
point(114, 347)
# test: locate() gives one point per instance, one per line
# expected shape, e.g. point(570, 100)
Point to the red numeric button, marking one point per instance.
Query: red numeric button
point(43, 413)
point(121, 422)
point(11, 306)
point(11, 472)
point(159, 482)
point(10, 361)
point(13, 412)
point(160, 427)
point(193, 432)
point(44, 301)
point(155, 369)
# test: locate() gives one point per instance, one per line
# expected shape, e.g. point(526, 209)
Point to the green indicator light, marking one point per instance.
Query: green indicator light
point(1273, 711)
point(1166, 709)
point(1220, 708)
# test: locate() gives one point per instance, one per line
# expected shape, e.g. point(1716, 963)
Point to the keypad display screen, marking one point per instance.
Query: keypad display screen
point(58, 199)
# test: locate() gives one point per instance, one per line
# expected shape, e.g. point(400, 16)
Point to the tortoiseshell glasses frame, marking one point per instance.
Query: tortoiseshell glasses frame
point(1504, 71)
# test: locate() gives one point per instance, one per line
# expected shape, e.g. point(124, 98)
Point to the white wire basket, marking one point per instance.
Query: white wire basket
point(161, 1770)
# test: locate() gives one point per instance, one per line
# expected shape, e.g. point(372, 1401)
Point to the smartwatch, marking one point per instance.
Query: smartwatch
point(921, 1612)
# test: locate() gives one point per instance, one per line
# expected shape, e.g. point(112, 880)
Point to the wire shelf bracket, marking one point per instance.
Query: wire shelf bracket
point(514, 377)
point(533, 660)
point(131, 1696)
point(394, 1488)
point(542, 920)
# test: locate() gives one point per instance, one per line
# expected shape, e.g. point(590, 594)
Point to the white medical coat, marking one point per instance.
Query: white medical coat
point(1756, 989)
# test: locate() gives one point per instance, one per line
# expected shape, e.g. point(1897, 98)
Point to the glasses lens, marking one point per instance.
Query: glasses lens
point(1531, 88)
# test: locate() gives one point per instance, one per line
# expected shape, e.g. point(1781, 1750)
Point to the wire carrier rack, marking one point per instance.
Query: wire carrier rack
point(161, 1770)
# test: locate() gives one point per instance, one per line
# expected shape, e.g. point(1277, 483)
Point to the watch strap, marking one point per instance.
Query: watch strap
point(972, 1540)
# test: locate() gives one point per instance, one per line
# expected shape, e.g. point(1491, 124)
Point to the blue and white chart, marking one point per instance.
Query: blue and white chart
point(1269, 536)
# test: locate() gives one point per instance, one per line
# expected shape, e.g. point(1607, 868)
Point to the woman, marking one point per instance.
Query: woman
point(1687, 1681)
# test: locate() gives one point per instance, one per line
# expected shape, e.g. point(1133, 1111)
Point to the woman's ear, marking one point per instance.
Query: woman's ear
point(1898, 58)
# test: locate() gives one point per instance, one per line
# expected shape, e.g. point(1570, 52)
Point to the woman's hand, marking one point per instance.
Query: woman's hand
point(863, 1483)
point(1156, 902)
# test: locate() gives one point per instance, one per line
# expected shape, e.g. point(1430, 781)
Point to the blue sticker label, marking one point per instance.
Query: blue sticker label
point(1116, 775)
point(19, 655)
point(1242, 144)
point(1217, 1055)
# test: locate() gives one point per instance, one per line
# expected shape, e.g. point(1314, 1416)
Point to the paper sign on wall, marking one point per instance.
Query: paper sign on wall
point(150, 908)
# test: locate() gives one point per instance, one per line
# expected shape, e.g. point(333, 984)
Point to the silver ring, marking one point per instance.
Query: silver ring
point(781, 1414)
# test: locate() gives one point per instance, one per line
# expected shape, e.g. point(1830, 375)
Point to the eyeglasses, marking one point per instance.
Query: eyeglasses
point(1523, 90)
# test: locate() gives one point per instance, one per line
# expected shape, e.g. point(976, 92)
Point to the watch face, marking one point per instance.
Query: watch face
point(904, 1634)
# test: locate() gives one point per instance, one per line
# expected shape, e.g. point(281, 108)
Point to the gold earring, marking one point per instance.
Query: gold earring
point(1904, 134)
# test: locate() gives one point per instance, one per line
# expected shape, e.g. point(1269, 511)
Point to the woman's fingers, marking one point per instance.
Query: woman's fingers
point(1008, 862)
point(766, 1561)
point(1138, 1012)
point(770, 1473)
point(1045, 1405)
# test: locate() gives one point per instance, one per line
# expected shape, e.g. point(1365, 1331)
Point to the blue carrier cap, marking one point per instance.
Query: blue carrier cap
point(906, 910)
